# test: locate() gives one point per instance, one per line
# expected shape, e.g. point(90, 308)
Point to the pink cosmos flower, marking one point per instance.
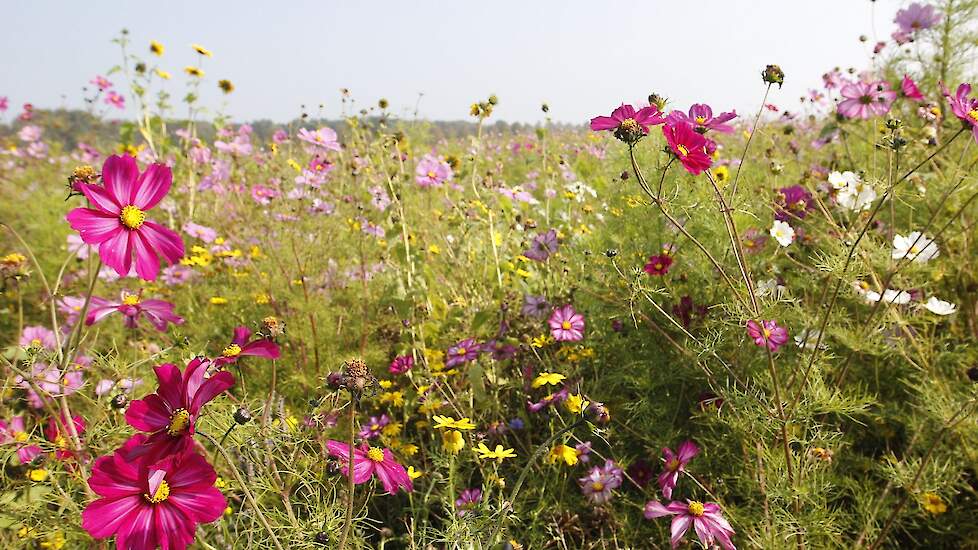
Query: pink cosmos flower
point(659, 264)
point(372, 428)
point(600, 482)
point(432, 171)
point(323, 138)
point(372, 461)
point(16, 434)
point(101, 83)
point(36, 336)
point(866, 99)
point(170, 414)
point(963, 106)
point(467, 500)
point(711, 528)
point(132, 307)
point(262, 194)
point(118, 223)
point(627, 123)
point(542, 246)
point(240, 347)
point(566, 325)
point(767, 333)
point(910, 90)
point(401, 364)
point(4, 104)
point(674, 464)
point(49, 380)
point(148, 505)
point(702, 119)
point(116, 100)
point(916, 17)
point(689, 146)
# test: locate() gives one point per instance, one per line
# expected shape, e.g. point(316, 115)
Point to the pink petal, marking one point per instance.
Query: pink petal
point(105, 516)
point(100, 198)
point(119, 174)
point(170, 381)
point(165, 241)
point(174, 527)
point(203, 506)
point(211, 388)
point(680, 524)
point(94, 227)
point(600, 123)
point(116, 252)
point(139, 531)
point(147, 264)
point(149, 414)
point(152, 186)
point(262, 348)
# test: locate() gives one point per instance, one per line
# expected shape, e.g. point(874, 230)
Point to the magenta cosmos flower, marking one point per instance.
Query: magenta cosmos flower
point(16, 434)
point(702, 119)
point(705, 519)
point(866, 99)
point(916, 17)
point(689, 146)
point(132, 306)
point(401, 364)
point(170, 414)
point(675, 463)
point(432, 171)
point(566, 325)
point(38, 337)
point(909, 89)
point(62, 441)
point(241, 347)
point(964, 107)
point(118, 223)
point(767, 333)
point(658, 264)
point(628, 124)
point(372, 461)
point(149, 505)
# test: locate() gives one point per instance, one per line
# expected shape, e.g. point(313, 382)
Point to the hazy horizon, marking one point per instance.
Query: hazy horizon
point(583, 59)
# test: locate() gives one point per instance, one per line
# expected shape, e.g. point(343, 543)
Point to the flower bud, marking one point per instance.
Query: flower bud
point(120, 401)
point(773, 75)
point(242, 416)
point(973, 374)
point(321, 537)
point(658, 101)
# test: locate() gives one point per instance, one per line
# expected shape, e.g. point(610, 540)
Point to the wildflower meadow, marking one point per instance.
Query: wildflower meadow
point(672, 325)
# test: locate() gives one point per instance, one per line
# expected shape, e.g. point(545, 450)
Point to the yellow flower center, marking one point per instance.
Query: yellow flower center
point(130, 299)
point(565, 325)
point(973, 115)
point(431, 174)
point(629, 124)
point(461, 351)
point(60, 442)
point(36, 343)
point(161, 494)
point(231, 351)
point(179, 421)
point(597, 486)
point(20, 437)
point(376, 454)
point(766, 333)
point(132, 217)
point(683, 151)
point(673, 465)
point(914, 249)
point(700, 119)
point(696, 508)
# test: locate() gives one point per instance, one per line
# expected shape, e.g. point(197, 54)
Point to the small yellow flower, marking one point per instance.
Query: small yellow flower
point(156, 48)
point(225, 85)
point(499, 453)
point(262, 298)
point(201, 50)
point(434, 249)
point(295, 165)
point(414, 474)
point(228, 511)
point(575, 403)
point(385, 384)
point(448, 422)
point(54, 541)
point(453, 441)
point(721, 174)
point(409, 450)
point(220, 483)
point(395, 398)
point(193, 71)
point(218, 301)
point(563, 453)
point(163, 74)
point(933, 504)
point(552, 378)
point(392, 430)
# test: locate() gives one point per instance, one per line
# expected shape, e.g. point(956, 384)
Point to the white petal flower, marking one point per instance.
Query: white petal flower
point(841, 180)
point(782, 232)
point(940, 307)
point(890, 296)
point(915, 247)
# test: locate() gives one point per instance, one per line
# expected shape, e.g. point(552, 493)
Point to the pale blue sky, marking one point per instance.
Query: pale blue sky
point(582, 57)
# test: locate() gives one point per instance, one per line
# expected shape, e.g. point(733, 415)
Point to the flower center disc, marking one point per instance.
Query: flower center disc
point(375, 454)
point(161, 494)
point(696, 508)
point(179, 421)
point(565, 325)
point(232, 351)
point(132, 217)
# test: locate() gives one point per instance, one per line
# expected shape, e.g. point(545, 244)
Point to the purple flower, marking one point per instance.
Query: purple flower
point(432, 171)
point(534, 306)
point(323, 138)
point(705, 519)
point(600, 481)
point(548, 401)
point(767, 333)
point(39, 337)
point(372, 429)
point(566, 325)
point(463, 352)
point(158, 312)
point(542, 246)
point(916, 17)
point(401, 364)
point(793, 201)
point(640, 472)
point(964, 107)
point(583, 451)
point(674, 464)
point(468, 499)
point(688, 311)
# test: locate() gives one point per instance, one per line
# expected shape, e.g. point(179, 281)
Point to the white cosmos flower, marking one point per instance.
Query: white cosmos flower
point(856, 197)
point(841, 180)
point(782, 232)
point(890, 296)
point(807, 339)
point(939, 307)
point(915, 247)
